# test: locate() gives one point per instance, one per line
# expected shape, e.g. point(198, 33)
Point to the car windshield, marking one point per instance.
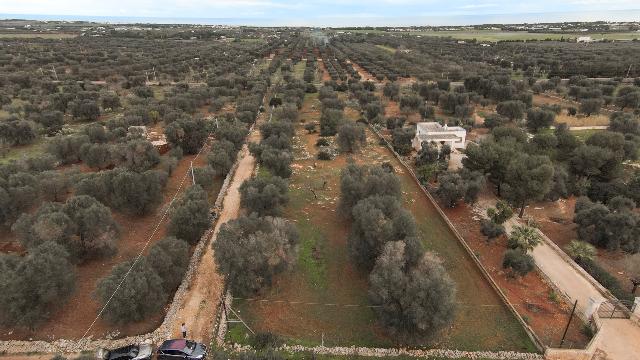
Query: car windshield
point(189, 347)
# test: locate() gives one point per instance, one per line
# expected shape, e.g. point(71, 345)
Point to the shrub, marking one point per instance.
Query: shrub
point(322, 142)
point(605, 279)
point(325, 154)
point(490, 229)
point(518, 262)
point(265, 340)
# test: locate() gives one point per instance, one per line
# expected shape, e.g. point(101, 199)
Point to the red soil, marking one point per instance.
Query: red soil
point(75, 316)
point(530, 294)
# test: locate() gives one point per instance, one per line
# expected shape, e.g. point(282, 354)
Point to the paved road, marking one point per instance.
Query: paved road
point(555, 267)
point(618, 339)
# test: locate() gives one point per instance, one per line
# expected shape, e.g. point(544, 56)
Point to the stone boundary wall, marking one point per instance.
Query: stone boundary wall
point(382, 352)
point(534, 338)
point(161, 333)
point(578, 354)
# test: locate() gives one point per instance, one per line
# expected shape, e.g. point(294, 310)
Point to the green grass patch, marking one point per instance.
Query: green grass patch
point(311, 254)
point(387, 48)
point(583, 135)
point(298, 69)
point(325, 295)
point(25, 151)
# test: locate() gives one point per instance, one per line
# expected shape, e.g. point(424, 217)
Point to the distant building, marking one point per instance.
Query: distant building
point(454, 136)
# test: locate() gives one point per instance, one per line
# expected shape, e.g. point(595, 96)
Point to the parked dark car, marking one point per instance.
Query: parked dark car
point(130, 352)
point(181, 349)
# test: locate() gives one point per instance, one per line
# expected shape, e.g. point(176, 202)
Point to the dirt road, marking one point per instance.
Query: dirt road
point(202, 300)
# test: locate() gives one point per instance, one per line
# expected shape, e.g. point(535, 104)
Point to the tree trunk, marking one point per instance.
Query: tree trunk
point(521, 211)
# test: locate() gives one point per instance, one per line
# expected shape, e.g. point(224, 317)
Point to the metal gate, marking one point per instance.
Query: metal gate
point(616, 309)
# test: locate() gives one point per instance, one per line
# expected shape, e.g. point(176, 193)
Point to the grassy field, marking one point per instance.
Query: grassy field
point(386, 48)
point(298, 69)
point(584, 134)
point(498, 35)
point(37, 35)
point(324, 299)
point(24, 151)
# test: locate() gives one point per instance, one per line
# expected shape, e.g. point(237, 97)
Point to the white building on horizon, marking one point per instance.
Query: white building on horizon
point(454, 136)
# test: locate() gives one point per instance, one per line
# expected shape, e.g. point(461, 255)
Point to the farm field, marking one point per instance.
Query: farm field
point(73, 320)
point(37, 35)
point(324, 299)
point(498, 35)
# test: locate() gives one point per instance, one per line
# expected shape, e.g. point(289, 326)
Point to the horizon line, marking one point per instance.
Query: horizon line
point(630, 15)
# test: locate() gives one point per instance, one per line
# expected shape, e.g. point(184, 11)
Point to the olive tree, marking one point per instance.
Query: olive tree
point(131, 292)
point(251, 250)
point(415, 300)
point(35, 285)
point(169, 257)
point(222, 156)
point(190, 215)
point(351, 137)
point(378, 220)
point(264, 195)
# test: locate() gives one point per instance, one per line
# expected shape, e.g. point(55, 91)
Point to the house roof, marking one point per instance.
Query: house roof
point(424, 137)
point(436, 127)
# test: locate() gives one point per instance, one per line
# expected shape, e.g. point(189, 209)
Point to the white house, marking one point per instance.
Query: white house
point(454, 136)
point(584, 39)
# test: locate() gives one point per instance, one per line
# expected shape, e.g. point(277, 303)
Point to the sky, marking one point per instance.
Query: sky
point(329, 12)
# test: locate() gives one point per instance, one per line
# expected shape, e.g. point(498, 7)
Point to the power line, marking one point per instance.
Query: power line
point(310, 303)
point(139, 256)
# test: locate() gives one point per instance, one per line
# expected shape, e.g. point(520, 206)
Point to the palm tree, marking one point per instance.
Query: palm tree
point(580, 250)
point(524, 238)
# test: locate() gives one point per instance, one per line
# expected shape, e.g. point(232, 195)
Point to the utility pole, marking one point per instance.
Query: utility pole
point(54, 72)
point(629, 71)
point(193, 177)
point(568, 322)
